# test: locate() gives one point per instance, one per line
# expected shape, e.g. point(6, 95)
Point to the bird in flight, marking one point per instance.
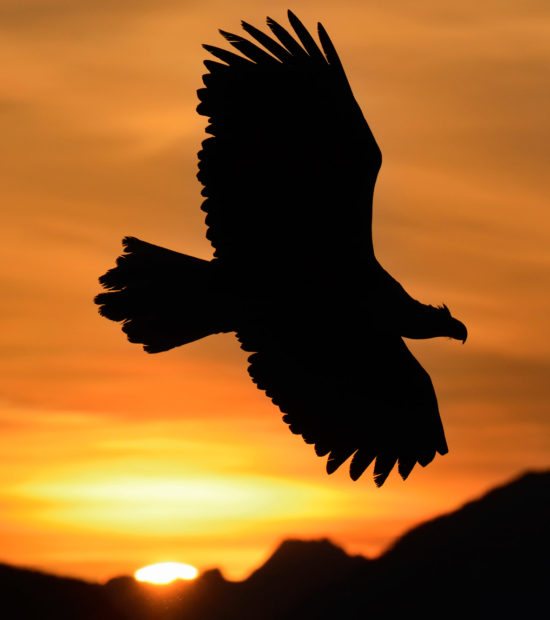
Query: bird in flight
point(288, 176)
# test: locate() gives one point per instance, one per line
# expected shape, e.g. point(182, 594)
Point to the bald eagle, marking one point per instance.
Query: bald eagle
point(288, 176)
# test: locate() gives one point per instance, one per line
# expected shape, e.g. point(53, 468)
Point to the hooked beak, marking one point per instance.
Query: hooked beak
point(459, 332)
point(464, 334)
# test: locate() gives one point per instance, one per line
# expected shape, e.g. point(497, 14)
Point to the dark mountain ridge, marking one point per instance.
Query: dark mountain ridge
point(488, 558)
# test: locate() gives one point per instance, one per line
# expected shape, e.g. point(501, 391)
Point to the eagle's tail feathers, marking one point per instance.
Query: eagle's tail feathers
point(163, 298)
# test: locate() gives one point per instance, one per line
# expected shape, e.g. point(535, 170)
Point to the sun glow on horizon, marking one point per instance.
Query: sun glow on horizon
point(101, 499)
point(166, 572)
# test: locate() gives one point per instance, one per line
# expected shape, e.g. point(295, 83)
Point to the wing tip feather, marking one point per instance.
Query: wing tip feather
point(338, 457)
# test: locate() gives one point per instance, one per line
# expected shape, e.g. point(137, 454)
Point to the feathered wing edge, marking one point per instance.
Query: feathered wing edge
point(277, 54)
point(283, 48)
point(287, 391)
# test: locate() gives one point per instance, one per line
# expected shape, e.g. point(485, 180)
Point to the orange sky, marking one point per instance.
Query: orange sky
point(111, 459)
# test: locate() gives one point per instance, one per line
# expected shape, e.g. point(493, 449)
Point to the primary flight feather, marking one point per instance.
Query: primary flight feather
point(288, 175)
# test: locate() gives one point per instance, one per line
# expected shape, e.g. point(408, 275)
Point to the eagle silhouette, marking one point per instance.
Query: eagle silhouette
point(288, 175)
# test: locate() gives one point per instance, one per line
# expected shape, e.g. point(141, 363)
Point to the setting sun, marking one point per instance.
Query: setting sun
point(166, 572)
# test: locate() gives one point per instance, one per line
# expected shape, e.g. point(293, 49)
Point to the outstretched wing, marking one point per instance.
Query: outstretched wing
point(288, 177)
point(350, 392)
point(290, 170)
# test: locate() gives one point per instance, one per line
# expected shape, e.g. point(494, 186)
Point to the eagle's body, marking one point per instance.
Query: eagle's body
point(288, 178)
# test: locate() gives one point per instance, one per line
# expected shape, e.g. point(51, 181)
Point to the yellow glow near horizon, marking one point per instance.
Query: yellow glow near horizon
point(166, 504)
point(166, 572)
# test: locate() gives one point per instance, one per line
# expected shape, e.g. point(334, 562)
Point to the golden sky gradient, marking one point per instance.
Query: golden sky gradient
point(111, 459)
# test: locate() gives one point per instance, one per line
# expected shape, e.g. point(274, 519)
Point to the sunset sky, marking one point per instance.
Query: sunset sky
point(111, 459)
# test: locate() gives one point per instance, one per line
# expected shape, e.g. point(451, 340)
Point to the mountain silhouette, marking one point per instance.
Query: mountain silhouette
point(29, 594)
point(288, 177)
point(486, 559)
